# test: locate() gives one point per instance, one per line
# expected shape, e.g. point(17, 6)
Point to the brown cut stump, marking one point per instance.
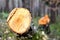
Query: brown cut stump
point(19, 20)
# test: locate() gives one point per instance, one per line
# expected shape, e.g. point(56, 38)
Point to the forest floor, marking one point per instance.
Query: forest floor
point(7, 34)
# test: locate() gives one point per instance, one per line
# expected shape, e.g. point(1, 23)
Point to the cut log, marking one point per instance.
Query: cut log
point(19, 20)
point(44, 20)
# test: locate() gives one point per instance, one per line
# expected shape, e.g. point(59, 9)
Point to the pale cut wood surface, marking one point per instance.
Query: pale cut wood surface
point(19, 20)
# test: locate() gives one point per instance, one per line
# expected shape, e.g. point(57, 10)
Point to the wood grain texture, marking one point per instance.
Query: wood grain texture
point(19, 20)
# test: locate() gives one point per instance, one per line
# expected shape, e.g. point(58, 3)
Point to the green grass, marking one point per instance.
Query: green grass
point(3, 15)
point(35, 20)
point(55, 28)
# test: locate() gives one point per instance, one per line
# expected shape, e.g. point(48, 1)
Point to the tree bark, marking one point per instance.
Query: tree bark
point(53, 17)
point(10, 5)
point(53, 11)
point(7, 6)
